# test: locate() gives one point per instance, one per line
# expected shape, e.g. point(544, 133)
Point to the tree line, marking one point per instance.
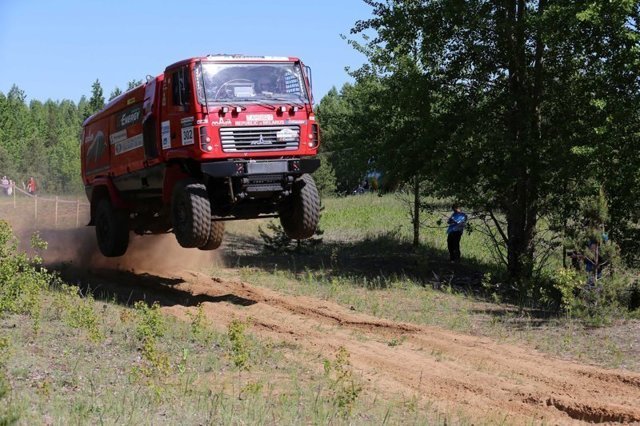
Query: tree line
point(42, 139)
point(523, 110)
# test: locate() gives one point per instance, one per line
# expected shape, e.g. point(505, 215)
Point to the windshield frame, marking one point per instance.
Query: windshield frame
point(204, 96)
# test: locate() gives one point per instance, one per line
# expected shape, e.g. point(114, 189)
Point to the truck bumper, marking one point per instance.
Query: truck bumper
point(246, 168)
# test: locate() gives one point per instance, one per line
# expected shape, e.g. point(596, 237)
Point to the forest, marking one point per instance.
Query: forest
point(42, 138)
point(526, 112)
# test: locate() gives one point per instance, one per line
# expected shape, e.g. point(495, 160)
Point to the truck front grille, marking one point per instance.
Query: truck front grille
point(255, 139)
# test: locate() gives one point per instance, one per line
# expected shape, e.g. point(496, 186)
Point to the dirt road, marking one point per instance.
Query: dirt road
point(473, 376)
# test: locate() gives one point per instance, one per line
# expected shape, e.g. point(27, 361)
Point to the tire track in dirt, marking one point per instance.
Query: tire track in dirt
point(457, 373)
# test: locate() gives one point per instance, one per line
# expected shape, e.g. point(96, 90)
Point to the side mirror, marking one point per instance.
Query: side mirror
point(307, 70)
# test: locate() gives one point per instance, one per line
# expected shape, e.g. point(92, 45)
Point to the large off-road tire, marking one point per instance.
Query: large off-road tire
point(216, 235)
point(190, 213)
point(300, 213)
point(112, 229)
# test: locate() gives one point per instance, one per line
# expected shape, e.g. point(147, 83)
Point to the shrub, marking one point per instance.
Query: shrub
point(591, 301)
point(344, 388)
point(150, 321)
point(150, 327)
point(77, 311)
point(199, 326)
point(277, 241)
point(23, 278)
point(239, 344)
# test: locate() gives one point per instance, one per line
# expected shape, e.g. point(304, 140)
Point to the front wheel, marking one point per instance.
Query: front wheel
point(112, 229)
point(190, 213)
point(300, 213)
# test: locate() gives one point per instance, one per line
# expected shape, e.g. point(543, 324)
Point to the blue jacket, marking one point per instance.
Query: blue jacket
point(456, 222)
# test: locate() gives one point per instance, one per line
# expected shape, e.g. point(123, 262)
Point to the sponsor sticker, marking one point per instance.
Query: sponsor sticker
point(259, 117)
point(165, 134)
point(118, 136)
point(186, 122)
point(259, 123)
point(286, 135)
point(128, 144)
point(129, 117)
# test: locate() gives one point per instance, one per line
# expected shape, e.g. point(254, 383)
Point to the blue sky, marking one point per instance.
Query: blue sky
point(55, 49)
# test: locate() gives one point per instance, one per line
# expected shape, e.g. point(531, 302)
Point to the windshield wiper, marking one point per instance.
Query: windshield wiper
point(299, 102)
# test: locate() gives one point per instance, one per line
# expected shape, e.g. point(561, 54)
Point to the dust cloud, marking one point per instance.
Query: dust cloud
point(153, 254)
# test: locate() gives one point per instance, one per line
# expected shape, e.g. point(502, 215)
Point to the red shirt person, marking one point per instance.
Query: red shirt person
point(31, 186)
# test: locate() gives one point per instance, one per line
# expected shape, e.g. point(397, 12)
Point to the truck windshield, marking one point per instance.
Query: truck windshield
point(243, 82)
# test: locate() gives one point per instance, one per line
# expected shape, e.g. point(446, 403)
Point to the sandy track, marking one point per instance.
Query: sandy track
point(473, 376)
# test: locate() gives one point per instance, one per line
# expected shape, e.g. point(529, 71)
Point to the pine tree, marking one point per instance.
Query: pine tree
point(96, 102)
point(115, 93)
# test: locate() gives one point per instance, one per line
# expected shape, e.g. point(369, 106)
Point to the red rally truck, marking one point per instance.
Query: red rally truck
point(211, 139)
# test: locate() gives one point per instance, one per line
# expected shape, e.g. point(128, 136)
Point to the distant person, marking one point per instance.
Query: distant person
point(31, 186)
point(457, 222)
point(5, 185)
point(588, 257)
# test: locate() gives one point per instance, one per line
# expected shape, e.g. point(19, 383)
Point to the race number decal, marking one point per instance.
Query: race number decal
point(187, 135)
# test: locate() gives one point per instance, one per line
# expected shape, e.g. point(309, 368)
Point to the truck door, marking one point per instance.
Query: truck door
point(177, 129)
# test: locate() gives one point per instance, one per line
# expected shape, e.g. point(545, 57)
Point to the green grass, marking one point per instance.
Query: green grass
point(61, 375)
point(370, 216)
point(366, 263)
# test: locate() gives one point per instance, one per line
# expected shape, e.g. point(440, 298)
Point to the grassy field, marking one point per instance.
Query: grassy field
point(366, 262)
point(79, 360)
point(68, 372)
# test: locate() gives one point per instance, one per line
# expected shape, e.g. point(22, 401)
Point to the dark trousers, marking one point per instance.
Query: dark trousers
point(453, 244)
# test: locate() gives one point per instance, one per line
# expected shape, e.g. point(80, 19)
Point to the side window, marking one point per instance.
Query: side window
point(181, 87)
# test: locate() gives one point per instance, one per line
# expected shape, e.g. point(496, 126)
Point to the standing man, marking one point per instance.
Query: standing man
point(456, 222)
point(31, 186)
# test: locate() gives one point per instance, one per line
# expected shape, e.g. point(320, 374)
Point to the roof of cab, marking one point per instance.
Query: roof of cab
point(223, 57)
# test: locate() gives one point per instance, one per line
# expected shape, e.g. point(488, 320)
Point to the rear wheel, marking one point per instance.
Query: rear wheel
point(112, 229)
point(190, 213)
point(216, 235)
point(300, 214)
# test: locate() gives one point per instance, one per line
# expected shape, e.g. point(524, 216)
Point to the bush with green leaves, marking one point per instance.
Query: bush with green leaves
point(239, 345)
point(345, 389)
point(77, 311)
point(151, 326)
point(277, 241)
point(200, 330)
point(22, 277)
